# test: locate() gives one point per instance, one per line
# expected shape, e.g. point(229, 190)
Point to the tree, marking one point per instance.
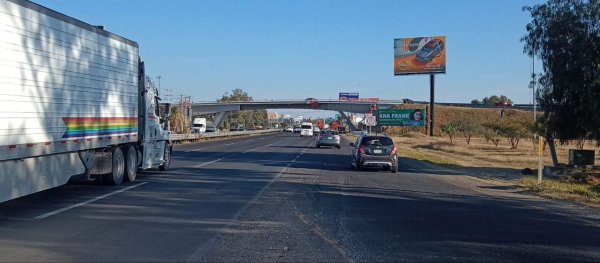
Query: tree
point(244, 118)
point(565, 36)
point(495, 99)
point(236, 95)
point(179, 123)
point(475, 101)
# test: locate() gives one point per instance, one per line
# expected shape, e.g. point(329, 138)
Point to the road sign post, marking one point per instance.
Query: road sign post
point(431, 102)
point(541, 156)
point(370, 121)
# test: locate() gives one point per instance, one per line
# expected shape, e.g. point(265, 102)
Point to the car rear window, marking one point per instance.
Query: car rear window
point(377, 140)
point(306, 127)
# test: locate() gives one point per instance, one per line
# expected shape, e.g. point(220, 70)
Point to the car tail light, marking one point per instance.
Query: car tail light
point(361, 149)
point(337, 137)
point(394, 150)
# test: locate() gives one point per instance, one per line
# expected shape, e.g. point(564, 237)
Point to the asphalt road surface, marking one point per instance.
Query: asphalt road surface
point(277, 198)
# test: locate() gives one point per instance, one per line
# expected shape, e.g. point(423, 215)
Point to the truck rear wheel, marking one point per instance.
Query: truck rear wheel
point(118, 168)
point(130, 164)
point(167, 159)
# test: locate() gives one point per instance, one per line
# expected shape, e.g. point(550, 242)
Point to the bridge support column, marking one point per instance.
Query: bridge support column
point(221, 116)
point(350, 124)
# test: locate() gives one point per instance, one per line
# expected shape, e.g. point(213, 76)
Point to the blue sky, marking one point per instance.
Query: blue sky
point(292, 49)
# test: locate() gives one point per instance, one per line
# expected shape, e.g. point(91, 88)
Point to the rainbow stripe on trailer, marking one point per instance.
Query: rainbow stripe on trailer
point(99, 126)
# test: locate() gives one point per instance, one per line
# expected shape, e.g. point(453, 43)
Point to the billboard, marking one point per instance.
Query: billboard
point(352, 96)
point(420, 55)
point(401, 117)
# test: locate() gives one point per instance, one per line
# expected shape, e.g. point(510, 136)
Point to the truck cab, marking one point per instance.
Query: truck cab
point(156, 146)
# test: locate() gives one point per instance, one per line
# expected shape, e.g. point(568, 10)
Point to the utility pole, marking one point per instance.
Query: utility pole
point(168, 95)
point(533, 84)
point(540, 138)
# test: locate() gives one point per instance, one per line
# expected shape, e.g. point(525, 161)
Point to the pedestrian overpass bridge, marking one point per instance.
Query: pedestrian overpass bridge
point(222, 109)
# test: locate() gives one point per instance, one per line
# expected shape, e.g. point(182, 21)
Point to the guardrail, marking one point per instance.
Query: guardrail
point(193, 137)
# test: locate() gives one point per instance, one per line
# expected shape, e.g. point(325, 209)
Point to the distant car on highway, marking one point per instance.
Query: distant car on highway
point(211, 129)
point(297, 129)
point(503, 103)
point(358, 132)
point(329, 138)
point(306, 129)
point(310, 100)
point(288, 129)
point(316, 131)
point(374, 151)
point(430, 50)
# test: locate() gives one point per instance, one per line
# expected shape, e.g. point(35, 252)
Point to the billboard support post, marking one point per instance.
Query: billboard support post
point(431, 102)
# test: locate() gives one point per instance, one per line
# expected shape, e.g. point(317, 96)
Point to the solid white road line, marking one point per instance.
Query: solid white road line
point(87, 202)
point(194, 150)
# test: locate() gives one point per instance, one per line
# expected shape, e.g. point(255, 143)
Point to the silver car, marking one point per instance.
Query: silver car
point(374, 151)
point(329, 138)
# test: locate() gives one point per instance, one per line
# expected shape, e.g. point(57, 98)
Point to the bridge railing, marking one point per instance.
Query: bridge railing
point(295, 101)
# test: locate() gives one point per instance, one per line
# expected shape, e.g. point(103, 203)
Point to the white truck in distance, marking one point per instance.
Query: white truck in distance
point(199, 125)
point(307, 129)
point(75, 103)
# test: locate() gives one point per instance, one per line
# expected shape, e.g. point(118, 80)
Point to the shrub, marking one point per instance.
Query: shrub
point(450, 129)
point(467, 126)
point(513, 130)
point(491, 133)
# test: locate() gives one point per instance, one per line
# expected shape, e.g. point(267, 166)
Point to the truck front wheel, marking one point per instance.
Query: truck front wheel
point(167, 159)
point(118, 168)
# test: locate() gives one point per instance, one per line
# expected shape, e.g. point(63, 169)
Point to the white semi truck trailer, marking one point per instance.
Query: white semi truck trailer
point(74, 102)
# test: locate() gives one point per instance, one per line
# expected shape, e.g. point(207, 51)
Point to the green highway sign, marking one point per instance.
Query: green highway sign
point(401, 117)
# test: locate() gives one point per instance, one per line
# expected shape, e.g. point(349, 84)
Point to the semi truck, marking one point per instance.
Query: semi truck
point(75, 103)
point(199, 125)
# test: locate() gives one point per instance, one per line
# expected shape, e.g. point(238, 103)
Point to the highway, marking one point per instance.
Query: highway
point(278, 198)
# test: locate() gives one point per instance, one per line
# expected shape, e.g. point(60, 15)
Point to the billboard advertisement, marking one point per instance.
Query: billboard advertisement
point(401, 117)
point(352, 96)
point(420, 55)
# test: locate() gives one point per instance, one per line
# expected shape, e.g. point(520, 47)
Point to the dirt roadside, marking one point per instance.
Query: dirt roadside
point(490, 169)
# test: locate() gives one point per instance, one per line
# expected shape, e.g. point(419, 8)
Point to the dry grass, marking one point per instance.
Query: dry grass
point(477, 154)
point(563, 189)
point(480, 156)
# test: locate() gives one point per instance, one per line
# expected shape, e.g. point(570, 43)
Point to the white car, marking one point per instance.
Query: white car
point(316, 131)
